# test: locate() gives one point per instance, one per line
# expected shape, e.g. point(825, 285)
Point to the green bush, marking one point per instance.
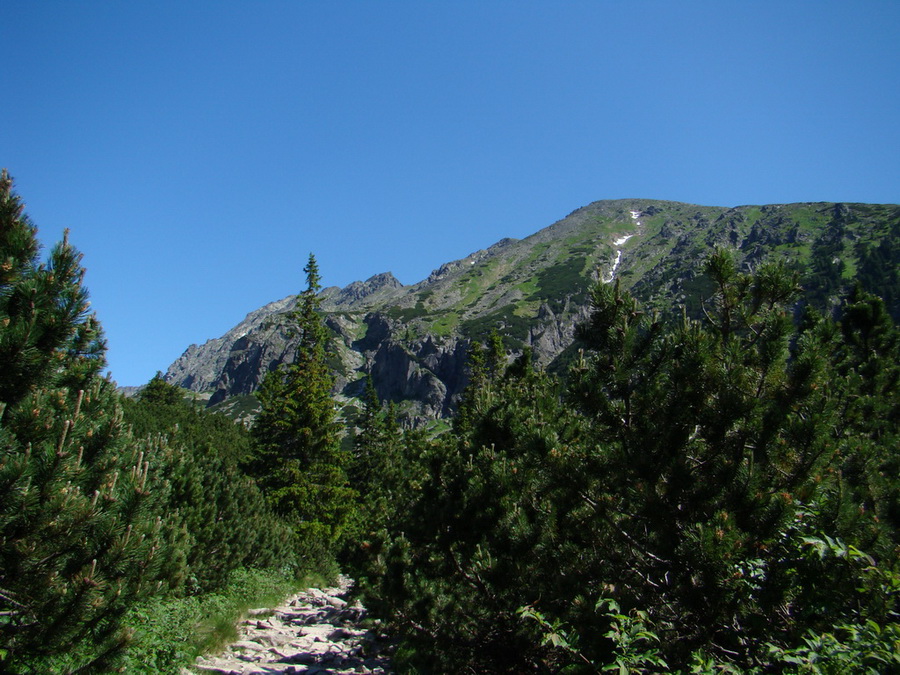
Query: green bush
point(226, 521)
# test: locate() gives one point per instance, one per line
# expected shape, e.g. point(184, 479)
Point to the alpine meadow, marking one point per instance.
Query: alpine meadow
point(651, 437)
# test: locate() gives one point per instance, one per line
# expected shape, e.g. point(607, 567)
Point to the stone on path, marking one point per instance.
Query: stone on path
point(314, 632)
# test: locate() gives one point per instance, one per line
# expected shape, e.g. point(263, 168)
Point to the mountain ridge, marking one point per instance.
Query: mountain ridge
point(413, 338)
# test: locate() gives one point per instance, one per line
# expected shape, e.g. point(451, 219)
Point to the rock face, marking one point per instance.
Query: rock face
point(552, 334)
point(316, 631)
point(429, 373)
point(413, 340)
point(249, 358)
point(360, 290)
point(201, 367)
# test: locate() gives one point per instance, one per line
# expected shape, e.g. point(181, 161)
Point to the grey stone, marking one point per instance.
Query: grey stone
point(337, 603)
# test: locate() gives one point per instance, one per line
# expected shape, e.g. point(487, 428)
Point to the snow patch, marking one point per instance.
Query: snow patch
point(619, 242)
point(612, 272)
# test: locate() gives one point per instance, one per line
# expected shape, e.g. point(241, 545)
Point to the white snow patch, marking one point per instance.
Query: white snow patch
point(618, 260)
point(612, 272)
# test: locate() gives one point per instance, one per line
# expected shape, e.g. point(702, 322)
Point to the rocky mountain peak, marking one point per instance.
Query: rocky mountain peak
point(351, 295)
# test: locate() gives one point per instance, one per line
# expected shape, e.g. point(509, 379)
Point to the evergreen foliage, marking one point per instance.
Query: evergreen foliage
point(379, 474)
point(298, 459)
point(879, 269)
point(710, 435)
point(104, 512)
point(226, 521)
point(866, 353)
point(376, 470)
point(80, 541)
point(711, 494)
point(727, 486)
point(476, 538)
point(827, 262)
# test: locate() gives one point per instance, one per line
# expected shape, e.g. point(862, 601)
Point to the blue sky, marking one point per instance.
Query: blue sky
point(199, 151)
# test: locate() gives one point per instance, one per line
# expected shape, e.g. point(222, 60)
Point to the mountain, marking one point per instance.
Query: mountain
point(414, 339)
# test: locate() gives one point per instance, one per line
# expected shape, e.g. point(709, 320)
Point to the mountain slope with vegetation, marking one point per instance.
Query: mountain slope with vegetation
point(413, 339)
point(700, 495)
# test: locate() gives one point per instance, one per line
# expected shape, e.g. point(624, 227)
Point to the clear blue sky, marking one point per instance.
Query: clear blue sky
point(199, 151)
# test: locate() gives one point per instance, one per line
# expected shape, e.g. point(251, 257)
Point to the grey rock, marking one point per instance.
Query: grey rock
point(301, 658)
point(357, 291)
point(337, 603)
point(340, 635)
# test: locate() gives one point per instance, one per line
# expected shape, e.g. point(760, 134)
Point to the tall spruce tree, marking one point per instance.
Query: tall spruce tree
point(79, 538)
point(298, 459)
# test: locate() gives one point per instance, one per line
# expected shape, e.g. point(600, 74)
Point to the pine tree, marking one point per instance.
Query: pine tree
point(377, 472)
point(225, 519)
point(298, 460)
point(709, 438)
point(80, 541)
point(486, 364)
point(867, 367)
point(47, 331)
point(372, 427)
point(480, 537)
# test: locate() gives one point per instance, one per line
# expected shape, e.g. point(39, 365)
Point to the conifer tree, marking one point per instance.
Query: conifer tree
point(372, 427)
point(710, 436)
point(486, 364)
point(225, 519)
point(481, 535)
point(298, 460)
point(80, 540)
point(867, 367)
point(377, 472)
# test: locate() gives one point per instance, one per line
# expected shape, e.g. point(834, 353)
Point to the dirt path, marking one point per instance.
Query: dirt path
point(313, 632)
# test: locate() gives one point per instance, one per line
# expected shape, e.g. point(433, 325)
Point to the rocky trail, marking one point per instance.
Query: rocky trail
point(315, 632)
